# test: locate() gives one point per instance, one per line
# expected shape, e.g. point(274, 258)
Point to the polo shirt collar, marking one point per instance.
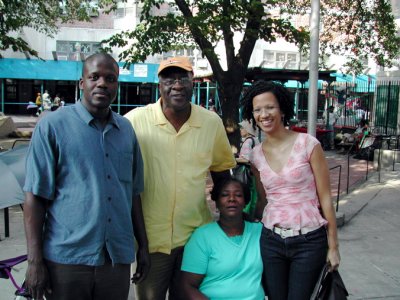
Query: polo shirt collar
point(86, 116)
point(193, 121)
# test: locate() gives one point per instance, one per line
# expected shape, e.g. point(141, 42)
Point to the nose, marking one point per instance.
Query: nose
point(264, 112)
point(178, 83)
point(232, 198)
point(101, 82)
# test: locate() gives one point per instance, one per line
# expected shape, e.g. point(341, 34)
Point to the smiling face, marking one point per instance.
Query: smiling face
point(267, 113)
point(99, 83)
point(176, 88)
point(231, 200)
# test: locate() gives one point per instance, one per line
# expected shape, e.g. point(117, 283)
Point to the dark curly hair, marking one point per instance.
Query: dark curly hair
point(218, 187)
point(282, 94)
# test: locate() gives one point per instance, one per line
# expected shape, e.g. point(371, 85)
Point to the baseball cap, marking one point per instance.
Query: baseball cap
point(177, 62)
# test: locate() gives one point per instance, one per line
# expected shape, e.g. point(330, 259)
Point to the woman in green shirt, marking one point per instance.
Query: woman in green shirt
point(222, 259)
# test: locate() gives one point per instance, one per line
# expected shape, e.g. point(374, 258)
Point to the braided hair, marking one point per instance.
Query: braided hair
point(282, 94)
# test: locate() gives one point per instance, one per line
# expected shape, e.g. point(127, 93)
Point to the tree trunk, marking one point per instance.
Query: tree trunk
point(230, 91)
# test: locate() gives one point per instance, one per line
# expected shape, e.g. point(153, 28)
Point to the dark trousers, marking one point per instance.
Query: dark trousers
point(80, 282)
point(292, 265)
point(163, 276)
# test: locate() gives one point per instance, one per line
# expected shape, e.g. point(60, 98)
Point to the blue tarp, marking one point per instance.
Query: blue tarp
point(69, 70)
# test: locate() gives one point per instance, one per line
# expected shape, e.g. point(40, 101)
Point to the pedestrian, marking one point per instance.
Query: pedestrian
point(38, 102)
point(222, 259)
point(56, 102)
point(330, 118)
point(249, 139)
point(180, 143)
point(299, 234)
point(82, 211)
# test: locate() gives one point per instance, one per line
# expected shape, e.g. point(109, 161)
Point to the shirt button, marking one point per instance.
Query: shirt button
point(106, 154)
point(109, 198)
point(108, 176)
point(109, 220)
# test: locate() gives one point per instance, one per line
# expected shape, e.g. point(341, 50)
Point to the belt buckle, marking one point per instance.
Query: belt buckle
point(285, 233)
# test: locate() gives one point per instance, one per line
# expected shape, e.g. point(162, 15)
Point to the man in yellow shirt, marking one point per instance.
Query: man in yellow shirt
point(180, 143)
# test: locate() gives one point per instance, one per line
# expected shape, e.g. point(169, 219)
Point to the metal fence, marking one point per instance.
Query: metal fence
point(375, 101)
point(386, 111)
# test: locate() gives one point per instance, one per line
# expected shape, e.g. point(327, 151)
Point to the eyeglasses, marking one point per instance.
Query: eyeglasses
point(171, 82)
point(267, 109)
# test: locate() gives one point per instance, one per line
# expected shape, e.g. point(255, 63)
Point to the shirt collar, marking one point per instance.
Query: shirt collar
point(193, 121)
point(86, 116)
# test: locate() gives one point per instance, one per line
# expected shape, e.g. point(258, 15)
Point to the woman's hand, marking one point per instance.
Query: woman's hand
point(333, 258)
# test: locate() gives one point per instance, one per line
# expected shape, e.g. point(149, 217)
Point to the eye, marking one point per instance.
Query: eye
point(93, 77)
point(185, 80)
point(169, 82)
point(111, 79)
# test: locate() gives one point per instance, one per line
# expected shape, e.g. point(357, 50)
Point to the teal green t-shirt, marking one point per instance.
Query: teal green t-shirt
point(232, 266)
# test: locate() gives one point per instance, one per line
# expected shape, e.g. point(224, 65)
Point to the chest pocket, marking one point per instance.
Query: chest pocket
point(125, 165)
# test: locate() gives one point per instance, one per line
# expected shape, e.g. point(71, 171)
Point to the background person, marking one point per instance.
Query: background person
point(56, 102)
point(330, 118)
point(249, 139)
point(84, 174)
point(222, 259)
point(46, 101)
point(180, 143)
point(38, 102)
point(299, 234)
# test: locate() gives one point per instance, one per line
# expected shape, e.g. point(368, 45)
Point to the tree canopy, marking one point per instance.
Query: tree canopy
point(44, 16)
point(355, 28)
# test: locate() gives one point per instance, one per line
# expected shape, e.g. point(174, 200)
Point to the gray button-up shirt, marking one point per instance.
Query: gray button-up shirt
point(89, 176)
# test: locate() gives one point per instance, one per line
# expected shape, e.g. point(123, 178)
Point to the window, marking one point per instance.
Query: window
point(287, 60)
point(75, 50)
point(292, 58)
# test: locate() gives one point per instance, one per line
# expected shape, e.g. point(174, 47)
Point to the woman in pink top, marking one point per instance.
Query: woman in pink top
point(299, 234)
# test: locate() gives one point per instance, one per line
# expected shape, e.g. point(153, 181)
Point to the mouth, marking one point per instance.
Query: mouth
point(232, 207)
point(266, 123)
point(101, 94)
point(178, 96)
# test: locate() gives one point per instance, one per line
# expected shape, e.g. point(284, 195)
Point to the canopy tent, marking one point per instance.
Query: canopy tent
point(69, 70)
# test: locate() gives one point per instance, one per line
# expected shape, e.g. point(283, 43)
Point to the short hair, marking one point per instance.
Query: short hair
point(282, 94)
point(217, 189)
point(96, 55)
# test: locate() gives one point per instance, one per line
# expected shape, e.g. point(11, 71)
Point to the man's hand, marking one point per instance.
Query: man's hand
point(143, 265)
point(37, 280)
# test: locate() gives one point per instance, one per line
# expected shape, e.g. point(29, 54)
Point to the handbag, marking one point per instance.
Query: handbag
point(329, 286)
point(242, 172)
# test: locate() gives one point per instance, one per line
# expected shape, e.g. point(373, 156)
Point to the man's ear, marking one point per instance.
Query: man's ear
point(81, 83)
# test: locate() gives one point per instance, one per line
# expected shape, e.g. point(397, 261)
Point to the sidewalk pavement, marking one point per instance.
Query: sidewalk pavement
point(369, 239)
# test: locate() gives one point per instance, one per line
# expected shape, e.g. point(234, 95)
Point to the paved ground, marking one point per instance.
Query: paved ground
point(369, 239)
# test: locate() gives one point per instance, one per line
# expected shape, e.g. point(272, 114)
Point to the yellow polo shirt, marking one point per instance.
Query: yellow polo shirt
point(175, 171)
